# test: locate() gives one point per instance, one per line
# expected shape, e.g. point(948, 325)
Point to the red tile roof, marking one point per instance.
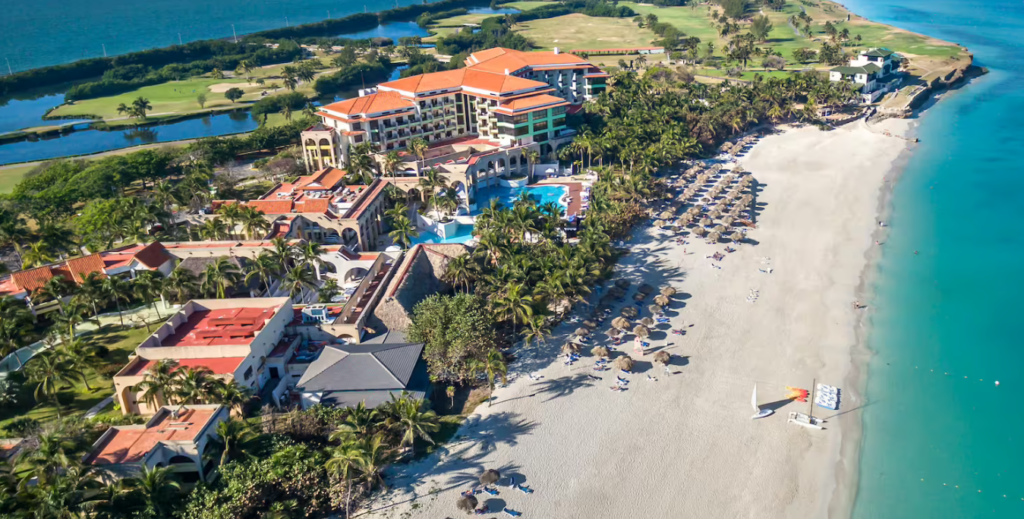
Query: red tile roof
point(499, 59)
point(327, 178)
point(528, 104)
point(463, 77)
point(221, 327)
point(82, 267)
point(216, 365)
point(153, 255)
point(29, 280)
point(271, 206)
point(371, 104)
point(131, 445)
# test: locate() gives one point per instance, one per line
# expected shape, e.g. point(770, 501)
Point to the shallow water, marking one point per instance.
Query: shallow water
point(941, 440)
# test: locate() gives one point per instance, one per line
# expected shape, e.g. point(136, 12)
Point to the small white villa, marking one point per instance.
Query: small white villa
point(872, 70)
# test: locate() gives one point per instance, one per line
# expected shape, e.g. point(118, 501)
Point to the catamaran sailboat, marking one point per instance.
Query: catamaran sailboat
point(759, 413)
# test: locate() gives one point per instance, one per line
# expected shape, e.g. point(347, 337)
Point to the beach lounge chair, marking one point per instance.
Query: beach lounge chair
point(626, 372)
point(491, 491)
point(511, 512)
point(525, 490)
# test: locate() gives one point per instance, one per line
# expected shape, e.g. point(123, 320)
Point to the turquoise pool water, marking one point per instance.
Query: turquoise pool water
point(506, 195)
point(463, 234)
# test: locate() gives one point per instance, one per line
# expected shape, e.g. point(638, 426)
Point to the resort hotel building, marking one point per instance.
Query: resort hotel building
point(478, 120)
point(872, 71)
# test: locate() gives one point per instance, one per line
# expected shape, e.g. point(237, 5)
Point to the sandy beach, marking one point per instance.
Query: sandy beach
point(684, 445)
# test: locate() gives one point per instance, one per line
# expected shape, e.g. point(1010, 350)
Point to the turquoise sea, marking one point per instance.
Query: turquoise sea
point(941, 439)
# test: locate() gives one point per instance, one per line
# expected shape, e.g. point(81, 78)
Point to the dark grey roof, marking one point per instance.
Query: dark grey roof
point(362, 367)
point(387, 336)
point(370, 399)
point(878, 53)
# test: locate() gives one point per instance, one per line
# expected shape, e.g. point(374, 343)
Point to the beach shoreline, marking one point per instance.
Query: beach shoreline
point(564, 434)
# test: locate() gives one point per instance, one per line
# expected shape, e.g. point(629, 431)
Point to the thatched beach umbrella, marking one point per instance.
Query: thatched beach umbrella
point(629, 312)
point(622, 283)
point(467, 504)
point(700, 231)
point(614, 332)
point(647, 321)
point(705, 222)
point(646, 289)
point(659, 224)
point(590, 324)
point(600, 351)
point(661, 300)
point(654, 309)
point(620, 323)
point(570, 347)
point(641, 331)
point(714, 214)
point(666, 215)
point(705, 200)
point(668, 291)
point(663, 357)
point(616, 292)
point(714, 237)
point(582, 332)
point(624, 363)
point(719, 229)
point(736, 237)
point(728, 220)
point(489, 477)
point(639, 296)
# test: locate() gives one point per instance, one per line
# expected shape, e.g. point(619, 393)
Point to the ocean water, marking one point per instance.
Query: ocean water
point(49, 32)
point(941, 439)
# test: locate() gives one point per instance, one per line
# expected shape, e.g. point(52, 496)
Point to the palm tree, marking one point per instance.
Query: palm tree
point(192, 385)
point(180, 285)
point(15, 322)
point(159, 383)
point(432, 182)
point(140, 106)
point(493, 365)
point(235, 440)
point(232, 213)
point(254, 224)
point(344, 459)
point(375, 457)
point(391, 163)
point(534, 157)
point(358, 423)
point(419, 148)
point(460, 271)
point(91, 292)
point(512, 304)
point(232, 395)
point(412, 422)
point(213, 229)
point(219, 276)
point(81, 358)
point(308, 253)
point(148, 286)
point(117, 290)
point(157, 487)
point(402, 231)
point(264, 268)
point(37, 255)
point(297, 281)
point(50, 371)
point(283, 253)
point(71, 315)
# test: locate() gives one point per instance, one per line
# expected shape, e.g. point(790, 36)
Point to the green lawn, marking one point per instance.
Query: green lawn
point(10, 176)
point(77, 399)
point(167, 98)
point(577, 31)
point(522, 6)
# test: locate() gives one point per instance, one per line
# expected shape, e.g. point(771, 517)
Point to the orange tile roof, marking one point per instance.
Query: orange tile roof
point(313, 205)
point(216, 365)
point(271, 206)
point(29, 280)
point(371, 104)
point(463, 77)
point(82, 267)
point(499, 59)
point(131, 445)
point(533, 102)
point(326, 178)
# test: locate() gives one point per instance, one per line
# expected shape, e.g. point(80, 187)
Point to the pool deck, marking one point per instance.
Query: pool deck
point(575, 188)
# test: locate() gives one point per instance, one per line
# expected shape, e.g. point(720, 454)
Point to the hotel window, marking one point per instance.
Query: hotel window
point(558, 110)
point(558, 121)
point(358, 139)
point(521, 118)
point(539, 127)
point(357, 127)
point(248, 373)
point(522, 130)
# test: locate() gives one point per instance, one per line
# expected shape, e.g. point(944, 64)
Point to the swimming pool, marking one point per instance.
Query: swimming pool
point(462, 234)
point(505, 195)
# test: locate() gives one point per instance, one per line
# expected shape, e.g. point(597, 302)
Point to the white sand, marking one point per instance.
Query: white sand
point(685, 446)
